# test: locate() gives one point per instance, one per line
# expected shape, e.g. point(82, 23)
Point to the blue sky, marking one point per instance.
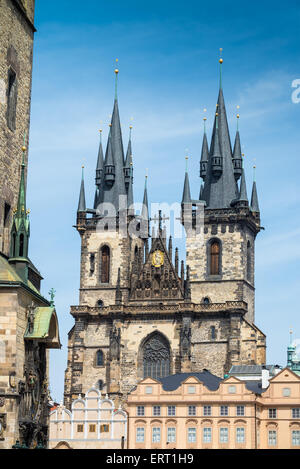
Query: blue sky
point(168, 60)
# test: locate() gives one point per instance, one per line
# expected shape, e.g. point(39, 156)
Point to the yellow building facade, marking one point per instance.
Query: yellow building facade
point(202, 411)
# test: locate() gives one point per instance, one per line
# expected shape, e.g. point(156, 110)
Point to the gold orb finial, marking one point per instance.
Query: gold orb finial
point(221, 60)
point(116, 69)
point(24, 148)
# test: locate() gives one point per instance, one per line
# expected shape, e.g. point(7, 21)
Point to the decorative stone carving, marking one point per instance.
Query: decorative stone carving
point(185, 337)
point(115, 341)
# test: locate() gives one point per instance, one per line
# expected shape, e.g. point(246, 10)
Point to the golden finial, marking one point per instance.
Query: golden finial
point(221, 60)
point(116, 69)
point(27, 212)
point(205, 118)
point(24, 148)
point(15, 210)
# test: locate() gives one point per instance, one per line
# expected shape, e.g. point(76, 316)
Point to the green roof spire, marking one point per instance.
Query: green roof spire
point(20, 231)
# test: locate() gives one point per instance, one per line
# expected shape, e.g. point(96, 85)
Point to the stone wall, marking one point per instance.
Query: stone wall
point(232, 284)
point(16, 50)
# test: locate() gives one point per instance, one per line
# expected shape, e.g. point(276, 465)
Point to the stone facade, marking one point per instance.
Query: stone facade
point(141, 313)
point(16, 52)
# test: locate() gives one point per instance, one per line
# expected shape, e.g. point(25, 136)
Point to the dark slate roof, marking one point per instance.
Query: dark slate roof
point(254, 199)
point(243, 188)
point(114, 156)
point(254, 386)
point(220, 191)
point(249, 369)
point(171, 383)
point(205, 151)
point(82, 204)
point(186, 197)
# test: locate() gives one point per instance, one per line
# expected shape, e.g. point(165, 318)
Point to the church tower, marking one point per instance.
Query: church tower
point(140, 312)
point(221, 255)
point(17, 35)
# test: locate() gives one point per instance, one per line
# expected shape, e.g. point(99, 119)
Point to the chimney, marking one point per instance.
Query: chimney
point(265, 376)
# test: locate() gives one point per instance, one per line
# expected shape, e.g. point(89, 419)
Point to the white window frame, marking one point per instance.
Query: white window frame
point(156, 434)
point(224, 435)
point(296, 439)
point(240, 435)
point(171, 410)
point(207, 435)
point(156, 410)
point(240, 410)
point(207, 410)
point(224, 410)
point(192, 410)
point(272, 437)
point(140, 434)
point(192, 434)
point(140, 411)
point(171, 435)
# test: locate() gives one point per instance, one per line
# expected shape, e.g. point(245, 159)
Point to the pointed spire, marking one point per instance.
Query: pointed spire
point(254, 197)
point(99, 174)
point(220, 187)
point(243, 189)
point(20, 231)
point(145, 212)
point(170, 248)
point(186, 197)
point(221, 63)
point(176, 261)
point(114, 183)
point(130, 201)
point(127, 165)
point(201, 192)
point(237, 152)
point(204, 155)
point(82, 204)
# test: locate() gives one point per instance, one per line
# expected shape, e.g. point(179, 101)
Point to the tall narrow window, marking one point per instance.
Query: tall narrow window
point(105, 264)
point(99, 358)
point(21, 248)
point(215, 258)
point(213, 332)
point(6, 214)
point(11, 99)
point(249, 266)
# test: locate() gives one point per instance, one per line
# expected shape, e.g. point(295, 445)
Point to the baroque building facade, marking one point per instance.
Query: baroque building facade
point(28, 321)
point(141, 312)
point(202, 411)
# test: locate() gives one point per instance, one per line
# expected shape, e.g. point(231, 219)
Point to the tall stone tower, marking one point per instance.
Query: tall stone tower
point(16, 51)
point(140, 313)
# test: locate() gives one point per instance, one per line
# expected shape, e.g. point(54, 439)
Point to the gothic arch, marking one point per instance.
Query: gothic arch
point(154, 358)
point(104, 264)
point(214, 257)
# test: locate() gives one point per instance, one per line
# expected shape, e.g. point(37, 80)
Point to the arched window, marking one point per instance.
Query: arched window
point(156, 357)
point(215, 254)
point(99, 358)
point(21, 246)
point(249, 266)
point(104, 264)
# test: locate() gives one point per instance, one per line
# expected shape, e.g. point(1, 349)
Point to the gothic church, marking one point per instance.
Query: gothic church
point(142, 314)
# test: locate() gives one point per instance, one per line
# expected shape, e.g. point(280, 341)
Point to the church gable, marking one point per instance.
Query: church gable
point(157, 279)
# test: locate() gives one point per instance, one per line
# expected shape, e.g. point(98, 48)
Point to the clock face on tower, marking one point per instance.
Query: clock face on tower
point(157, 259)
